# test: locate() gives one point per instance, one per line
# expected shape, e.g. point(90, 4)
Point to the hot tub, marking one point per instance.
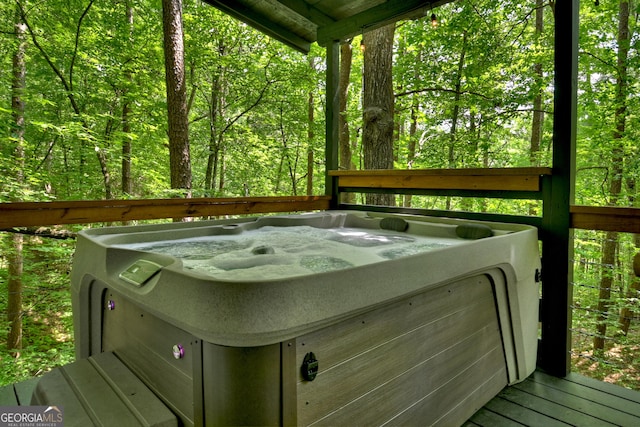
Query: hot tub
point(326, 318)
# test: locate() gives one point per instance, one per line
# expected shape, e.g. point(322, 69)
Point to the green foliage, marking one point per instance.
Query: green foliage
point(47, 318)
point(619, 361)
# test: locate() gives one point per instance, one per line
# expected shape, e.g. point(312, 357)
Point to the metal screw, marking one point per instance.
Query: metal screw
point(178, 351)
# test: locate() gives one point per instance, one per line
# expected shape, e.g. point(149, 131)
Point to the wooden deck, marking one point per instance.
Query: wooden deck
point(18, 394)
point(543, 400)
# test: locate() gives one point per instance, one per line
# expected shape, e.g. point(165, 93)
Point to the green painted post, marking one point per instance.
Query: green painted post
point(332, 111)
point(557, 271)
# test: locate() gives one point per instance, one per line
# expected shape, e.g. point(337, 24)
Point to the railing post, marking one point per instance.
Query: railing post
point(555, 345)
point(332, 111)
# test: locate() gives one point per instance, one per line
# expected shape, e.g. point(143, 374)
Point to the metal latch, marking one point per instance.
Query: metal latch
point(310, 367)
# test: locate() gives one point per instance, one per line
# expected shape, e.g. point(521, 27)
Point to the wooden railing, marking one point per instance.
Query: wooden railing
point(518, 182)
point(27, 214)
point(606, 218)
point(498, 179)
point(509, 182)
point(526, 181)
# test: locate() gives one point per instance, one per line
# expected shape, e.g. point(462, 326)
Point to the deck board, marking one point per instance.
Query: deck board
point(8, 396)
point(544, 400)
point(18, 394)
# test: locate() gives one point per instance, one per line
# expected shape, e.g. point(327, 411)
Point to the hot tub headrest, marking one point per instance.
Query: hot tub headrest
point(473, 231)
point(394, 224)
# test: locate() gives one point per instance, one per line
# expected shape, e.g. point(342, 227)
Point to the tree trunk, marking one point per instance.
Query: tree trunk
point(310, 137)
point(632, 294)
point(310, 172)
point(538, 114)
point(286, 158)
point(411, 149)
point(451, 161)
point(378, 105)
point(633, 291)
point(537, 120)
point(178, 120)
point(15, 257)
point(127, 183)
point(456, 103)
point(346, 162)
point(615, 187)
point(609, 247)
point(215, 113)
point(14, 301)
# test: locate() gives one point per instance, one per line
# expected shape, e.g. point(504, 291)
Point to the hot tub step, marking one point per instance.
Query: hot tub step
point(101, 390)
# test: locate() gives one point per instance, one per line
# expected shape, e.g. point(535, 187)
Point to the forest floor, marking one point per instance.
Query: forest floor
point(618, 364)
point(47, 340)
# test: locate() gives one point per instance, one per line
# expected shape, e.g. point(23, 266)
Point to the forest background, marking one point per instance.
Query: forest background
point(474, 91)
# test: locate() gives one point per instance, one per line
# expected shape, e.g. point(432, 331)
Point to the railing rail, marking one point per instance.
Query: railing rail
point(507, 182)
point(28, 214)
point(606, 218)
point(488, 179)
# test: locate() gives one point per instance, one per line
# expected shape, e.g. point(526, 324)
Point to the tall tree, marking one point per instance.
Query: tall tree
point(537, 120)
point(346, 163)
point(15, 257)
point(538, 113)
point(411, 146)
point(610, 244)
point(127, 182)
point(177, 111)
point(378, 105)
point(455, 111)
point(216, 112)
point(311, 119)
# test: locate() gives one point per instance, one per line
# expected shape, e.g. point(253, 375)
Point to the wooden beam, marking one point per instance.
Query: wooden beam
point(260, 23)
point(606, 218)
point(498, 179)
point(308, 11)
point(25, 214)
point(375, 17)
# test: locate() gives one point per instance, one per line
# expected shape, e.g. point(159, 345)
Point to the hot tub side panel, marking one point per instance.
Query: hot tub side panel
point(167, 359)
point(434, 358)
point(242, 385)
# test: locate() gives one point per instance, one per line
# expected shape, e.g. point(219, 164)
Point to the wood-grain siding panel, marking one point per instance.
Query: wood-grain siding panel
point(353, 336)
point(360, 374)
point(436, 386)
point(459, 398)
point(402, 354)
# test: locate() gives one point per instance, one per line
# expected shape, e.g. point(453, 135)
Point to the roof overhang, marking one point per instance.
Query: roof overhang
point(299, 23)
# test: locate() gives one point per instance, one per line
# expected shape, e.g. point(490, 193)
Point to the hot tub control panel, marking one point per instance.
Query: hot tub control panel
point(140, 272)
